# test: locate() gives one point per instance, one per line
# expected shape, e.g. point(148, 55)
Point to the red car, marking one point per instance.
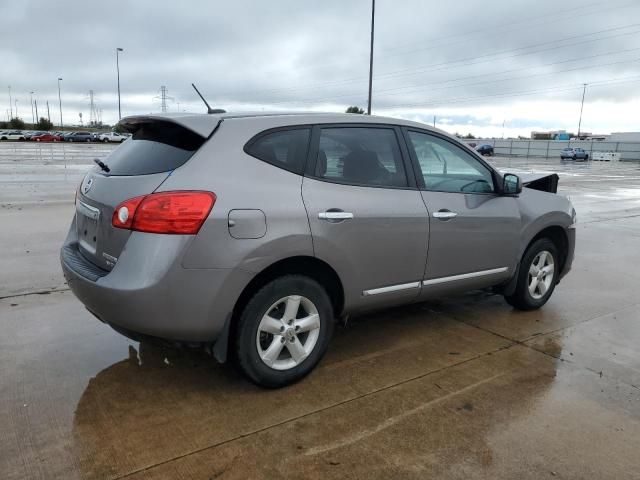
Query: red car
point(47, 137)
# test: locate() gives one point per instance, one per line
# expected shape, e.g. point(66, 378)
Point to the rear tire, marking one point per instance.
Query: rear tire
point(283, 331)
point(537, 276)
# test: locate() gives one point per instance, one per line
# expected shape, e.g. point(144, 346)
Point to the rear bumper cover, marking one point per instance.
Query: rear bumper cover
point(149, 292)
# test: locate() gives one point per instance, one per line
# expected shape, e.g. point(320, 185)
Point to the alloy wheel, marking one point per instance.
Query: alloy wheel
point(541, 274)
point(288, 332)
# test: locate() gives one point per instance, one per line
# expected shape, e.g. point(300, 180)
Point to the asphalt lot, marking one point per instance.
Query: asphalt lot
point(464, 387)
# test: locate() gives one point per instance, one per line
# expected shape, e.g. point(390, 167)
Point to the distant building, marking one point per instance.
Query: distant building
point(551, 135)
point(557, 135)
point(624, 137)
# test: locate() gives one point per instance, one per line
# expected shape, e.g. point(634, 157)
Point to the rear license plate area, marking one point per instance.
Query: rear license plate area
point(87, 218)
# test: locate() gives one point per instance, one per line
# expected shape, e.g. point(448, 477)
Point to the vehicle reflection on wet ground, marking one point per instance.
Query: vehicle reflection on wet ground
point(462, 387)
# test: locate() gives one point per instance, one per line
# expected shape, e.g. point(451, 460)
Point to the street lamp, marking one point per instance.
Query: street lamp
point(33, 119)
point(10, 103)
point(584, 89)
point(60, 101)
point(16, 104)
point(118, 50)
point(373, 18)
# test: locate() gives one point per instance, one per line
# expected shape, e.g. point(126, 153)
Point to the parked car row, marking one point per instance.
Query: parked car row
point(79, 136)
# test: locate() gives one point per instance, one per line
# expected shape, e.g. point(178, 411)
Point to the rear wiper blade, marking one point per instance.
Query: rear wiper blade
point(102, 165)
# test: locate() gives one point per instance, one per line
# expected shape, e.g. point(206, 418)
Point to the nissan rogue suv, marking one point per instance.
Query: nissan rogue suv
point(252, 233)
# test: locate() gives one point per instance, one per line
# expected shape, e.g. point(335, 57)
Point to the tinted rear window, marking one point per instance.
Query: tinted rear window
point(154, 147)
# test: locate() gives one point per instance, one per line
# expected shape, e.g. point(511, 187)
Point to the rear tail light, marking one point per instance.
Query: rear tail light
point(179, 212)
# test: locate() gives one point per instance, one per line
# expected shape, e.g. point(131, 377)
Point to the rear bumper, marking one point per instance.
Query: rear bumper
point(148, 292)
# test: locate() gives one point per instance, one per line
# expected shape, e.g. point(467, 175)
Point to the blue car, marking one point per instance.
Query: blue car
point(485, 150)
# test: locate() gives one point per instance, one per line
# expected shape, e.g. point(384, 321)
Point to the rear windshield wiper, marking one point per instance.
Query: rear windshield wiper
point(102, 165)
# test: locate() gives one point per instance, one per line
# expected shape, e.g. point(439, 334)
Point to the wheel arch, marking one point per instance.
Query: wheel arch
point(558, 236)
point(309, 266)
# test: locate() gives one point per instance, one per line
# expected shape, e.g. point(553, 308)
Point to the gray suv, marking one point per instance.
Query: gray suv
point(251, 234)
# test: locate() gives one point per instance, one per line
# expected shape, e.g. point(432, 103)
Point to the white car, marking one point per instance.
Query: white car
point(112, 137)
point(12, 135)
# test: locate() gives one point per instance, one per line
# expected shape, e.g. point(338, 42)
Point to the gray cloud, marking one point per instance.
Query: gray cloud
point(304, 55)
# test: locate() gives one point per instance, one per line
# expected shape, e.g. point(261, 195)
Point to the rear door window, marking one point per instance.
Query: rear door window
point(154, 147)
point(360, 156)
point(283, 148)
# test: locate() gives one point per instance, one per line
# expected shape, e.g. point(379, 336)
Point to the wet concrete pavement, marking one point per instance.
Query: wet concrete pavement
point(463, 387)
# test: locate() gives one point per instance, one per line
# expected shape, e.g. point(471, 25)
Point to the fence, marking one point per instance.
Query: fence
point(61, 153)
point(629, 151)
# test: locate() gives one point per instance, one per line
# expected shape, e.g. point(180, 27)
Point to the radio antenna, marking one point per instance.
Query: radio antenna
point(209, 109)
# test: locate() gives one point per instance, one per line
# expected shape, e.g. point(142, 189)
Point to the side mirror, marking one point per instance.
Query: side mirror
point(511, 184)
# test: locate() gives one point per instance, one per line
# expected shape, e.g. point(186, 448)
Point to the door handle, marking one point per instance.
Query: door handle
point(335, 215)
point(444, 214)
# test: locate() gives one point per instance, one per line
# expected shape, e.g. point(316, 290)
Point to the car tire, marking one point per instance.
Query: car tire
point(532, 291)
point(267, 337)
point(37, 139)
point(574, 157)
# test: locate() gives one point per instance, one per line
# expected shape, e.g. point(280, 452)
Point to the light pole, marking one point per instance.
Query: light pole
point(16, 104)
point(118, 50)
point(33, 119)
point(60, 101)
point(373, 16)
point(584, 89)
point(10, 103)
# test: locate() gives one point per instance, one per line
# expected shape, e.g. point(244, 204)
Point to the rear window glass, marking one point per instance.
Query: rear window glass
point(154, 147)
point(283, 148)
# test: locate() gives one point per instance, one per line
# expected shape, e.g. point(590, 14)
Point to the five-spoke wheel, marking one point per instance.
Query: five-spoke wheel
point(537, 276)
point(283, 330)
point(288, 332)
point(541, 274)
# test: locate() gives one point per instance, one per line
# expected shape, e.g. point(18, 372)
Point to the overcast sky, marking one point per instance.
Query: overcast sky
point(471, 64)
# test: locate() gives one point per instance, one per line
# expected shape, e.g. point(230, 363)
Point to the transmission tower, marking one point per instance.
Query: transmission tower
point(163, 98)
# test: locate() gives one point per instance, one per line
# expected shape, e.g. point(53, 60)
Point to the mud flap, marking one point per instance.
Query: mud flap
point(510, 287)
point(221, 347)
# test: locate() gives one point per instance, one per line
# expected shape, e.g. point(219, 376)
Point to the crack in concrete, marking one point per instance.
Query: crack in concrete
point(391, 421)
point(37, 292)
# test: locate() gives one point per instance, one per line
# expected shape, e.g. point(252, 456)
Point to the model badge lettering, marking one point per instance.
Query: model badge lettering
point(87, 186)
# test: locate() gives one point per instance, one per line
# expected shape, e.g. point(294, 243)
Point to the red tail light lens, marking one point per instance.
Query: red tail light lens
point(181, 212)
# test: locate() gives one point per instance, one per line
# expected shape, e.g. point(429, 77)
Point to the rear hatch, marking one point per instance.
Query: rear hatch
point(135, 168)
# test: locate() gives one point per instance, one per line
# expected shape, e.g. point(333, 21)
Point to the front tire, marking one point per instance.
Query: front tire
point(537, 276)
point(283, 331)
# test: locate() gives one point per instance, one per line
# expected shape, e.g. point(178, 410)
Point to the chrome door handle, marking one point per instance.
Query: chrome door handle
point(444, 214)
point(335, 215)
